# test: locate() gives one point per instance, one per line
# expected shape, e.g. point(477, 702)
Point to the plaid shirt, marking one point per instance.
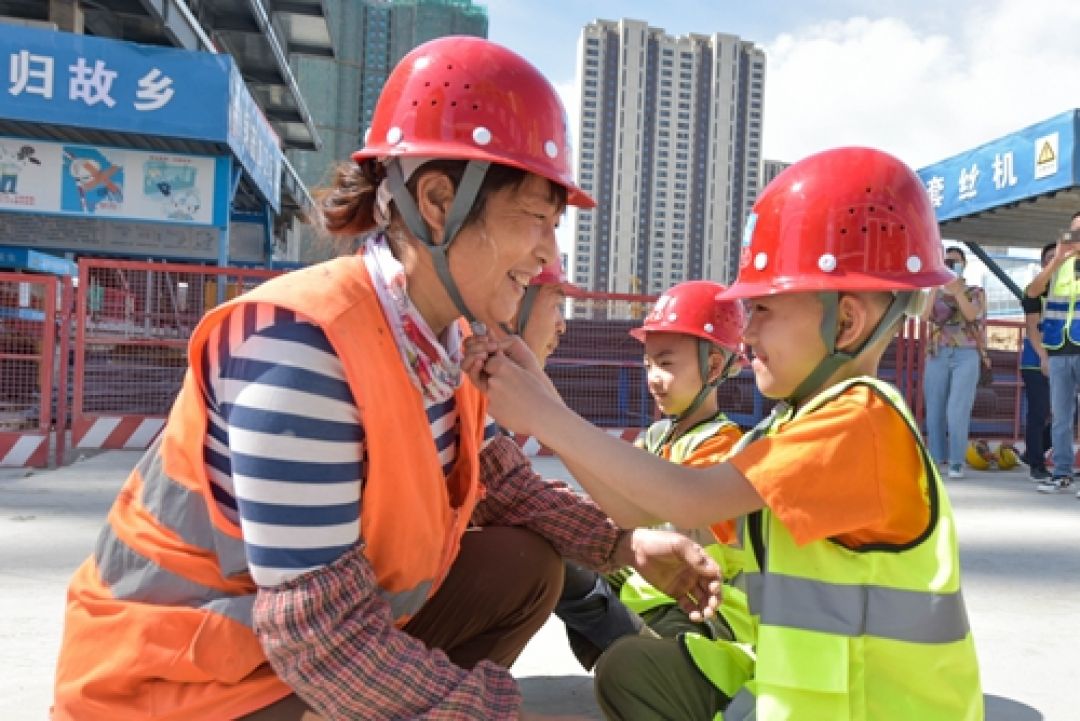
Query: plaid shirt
point(330, 635)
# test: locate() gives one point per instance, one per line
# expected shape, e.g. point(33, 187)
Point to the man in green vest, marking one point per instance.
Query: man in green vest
point(1059, 284)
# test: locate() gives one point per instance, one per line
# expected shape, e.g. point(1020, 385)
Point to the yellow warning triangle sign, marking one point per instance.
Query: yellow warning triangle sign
point(1046, 154)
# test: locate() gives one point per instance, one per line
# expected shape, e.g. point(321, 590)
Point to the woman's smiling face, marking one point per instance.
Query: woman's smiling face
point(494, 258)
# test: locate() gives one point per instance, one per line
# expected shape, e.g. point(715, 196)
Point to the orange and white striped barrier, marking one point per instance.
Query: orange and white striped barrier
point(116, 432)
point(24, 449)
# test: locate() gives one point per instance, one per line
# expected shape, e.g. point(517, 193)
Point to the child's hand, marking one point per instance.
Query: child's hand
point(680, 568)
point(519, 398)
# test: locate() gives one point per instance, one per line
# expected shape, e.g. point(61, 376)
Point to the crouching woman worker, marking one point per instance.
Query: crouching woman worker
point(311, 537)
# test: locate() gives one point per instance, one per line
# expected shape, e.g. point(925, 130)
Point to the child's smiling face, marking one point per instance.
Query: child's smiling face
point(784, 333)
point(671, 368)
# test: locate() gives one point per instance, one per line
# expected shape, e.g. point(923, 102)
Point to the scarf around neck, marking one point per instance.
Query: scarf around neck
point(433, 364)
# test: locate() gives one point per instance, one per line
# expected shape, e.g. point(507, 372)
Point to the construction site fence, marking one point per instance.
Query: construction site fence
point(28, 312)
point(104, 355)
point(133, 321)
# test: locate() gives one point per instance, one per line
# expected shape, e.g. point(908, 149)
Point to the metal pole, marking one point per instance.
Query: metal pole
point(995, 269)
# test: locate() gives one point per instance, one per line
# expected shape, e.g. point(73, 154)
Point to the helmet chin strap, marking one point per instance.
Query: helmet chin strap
point(707, 387)
point(525, 309)
point(464, 197)
point(834, 358)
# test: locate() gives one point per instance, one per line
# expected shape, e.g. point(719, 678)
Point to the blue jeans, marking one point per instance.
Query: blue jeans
point(949, 384)
point(1064, 380)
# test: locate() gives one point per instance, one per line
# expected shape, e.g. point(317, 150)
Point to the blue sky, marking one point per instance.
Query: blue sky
point(921, 79)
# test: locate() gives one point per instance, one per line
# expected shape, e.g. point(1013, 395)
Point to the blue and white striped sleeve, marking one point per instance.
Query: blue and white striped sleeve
point(289, 448)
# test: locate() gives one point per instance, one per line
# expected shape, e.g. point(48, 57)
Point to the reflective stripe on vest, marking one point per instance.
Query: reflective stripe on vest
point(174, 508)
point(407, 602)
point(132, 577)
point(848, 610)
point(183, 511)
point(1060, 322)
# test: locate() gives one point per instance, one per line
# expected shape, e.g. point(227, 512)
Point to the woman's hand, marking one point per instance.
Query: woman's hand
point(476, 350)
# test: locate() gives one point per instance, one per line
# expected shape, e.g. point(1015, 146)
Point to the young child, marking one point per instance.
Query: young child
point(856, 589)
point(692, 345)
point(590, 609)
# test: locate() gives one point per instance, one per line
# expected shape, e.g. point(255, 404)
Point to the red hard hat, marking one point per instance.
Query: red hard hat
point(467, 98)
point(692, 308)
point(849, 219)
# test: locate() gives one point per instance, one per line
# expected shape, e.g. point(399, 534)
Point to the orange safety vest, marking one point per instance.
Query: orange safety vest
point(158, 621)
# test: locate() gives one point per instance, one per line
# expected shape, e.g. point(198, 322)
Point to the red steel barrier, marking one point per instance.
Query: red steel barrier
point(27, 350)
point(133, 321)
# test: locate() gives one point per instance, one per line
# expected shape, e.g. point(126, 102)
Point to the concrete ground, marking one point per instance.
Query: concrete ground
point(1020, 552)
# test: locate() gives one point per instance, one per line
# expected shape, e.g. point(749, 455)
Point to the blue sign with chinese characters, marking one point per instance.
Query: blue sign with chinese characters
point(1036, 160)
point(89, 82)
point(252, 139)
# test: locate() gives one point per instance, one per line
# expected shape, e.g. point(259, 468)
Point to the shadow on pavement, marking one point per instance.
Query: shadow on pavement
point(1005, 709)
point(566, 695)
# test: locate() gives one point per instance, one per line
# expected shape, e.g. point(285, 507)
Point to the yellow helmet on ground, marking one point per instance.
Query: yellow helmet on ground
point(979, 455)
point(1007, 457)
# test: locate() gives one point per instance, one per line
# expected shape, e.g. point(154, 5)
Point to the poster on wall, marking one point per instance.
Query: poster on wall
point(104, 182)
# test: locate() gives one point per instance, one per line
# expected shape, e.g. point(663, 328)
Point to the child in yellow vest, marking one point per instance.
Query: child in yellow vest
point(856, 587)
point(692, 345)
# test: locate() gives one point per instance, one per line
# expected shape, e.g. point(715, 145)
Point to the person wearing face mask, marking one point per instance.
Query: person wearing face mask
point(957, 314)
point(321, 532)
point(1058, 283)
